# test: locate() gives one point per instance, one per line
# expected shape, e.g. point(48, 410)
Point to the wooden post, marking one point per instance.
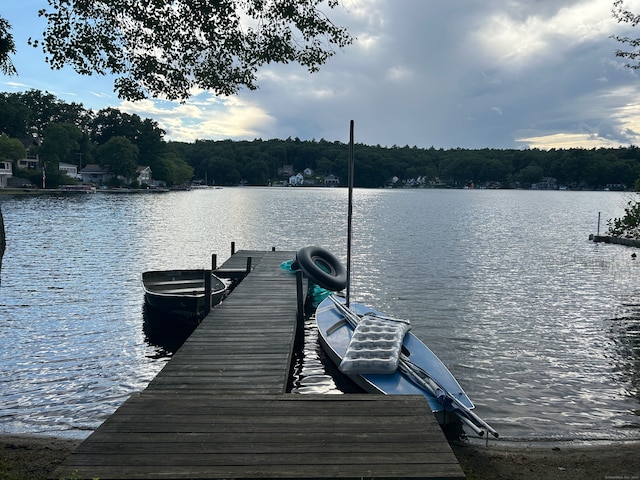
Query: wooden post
point(207, 291)
point(214, 261)
point(349, 213)
point(299, 291)
point(248, 271)
point(233, 248)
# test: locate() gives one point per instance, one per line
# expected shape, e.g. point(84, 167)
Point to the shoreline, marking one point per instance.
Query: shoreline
point(26, 457)
point(36, 457)
point(608, 460)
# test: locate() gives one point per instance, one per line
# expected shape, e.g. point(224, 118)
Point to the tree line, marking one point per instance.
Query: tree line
point(259, 161)
point(58, 131)
point(38, 123)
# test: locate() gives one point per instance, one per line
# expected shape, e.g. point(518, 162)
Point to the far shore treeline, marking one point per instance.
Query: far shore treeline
point(38, 123)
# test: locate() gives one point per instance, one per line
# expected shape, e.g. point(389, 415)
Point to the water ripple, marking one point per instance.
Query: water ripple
point(540, 326)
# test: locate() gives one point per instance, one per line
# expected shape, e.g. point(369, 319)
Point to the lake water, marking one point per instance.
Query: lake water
point(539, 325)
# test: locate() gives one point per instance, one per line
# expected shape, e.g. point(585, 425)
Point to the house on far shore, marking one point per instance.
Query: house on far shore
point(6, 172)
point(143, 175)
point(296, 180)
point(94, 173)
point(69, 170)
point(31, 162)
point(331, 180)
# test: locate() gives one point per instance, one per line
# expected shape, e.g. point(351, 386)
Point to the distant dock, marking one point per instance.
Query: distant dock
point(629, 242)
point(220, 407)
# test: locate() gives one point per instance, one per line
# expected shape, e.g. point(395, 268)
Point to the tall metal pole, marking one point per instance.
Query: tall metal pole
point(349, 213)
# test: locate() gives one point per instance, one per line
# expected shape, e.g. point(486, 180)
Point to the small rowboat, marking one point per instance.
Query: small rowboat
point(182, 291)
point(419, 371)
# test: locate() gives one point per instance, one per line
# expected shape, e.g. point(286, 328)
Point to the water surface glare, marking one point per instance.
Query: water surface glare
point(539, 325)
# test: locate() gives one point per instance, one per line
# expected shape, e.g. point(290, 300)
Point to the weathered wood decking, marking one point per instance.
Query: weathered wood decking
point(219, 408)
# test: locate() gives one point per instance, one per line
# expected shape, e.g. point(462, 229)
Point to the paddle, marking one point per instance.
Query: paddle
point(422, 378)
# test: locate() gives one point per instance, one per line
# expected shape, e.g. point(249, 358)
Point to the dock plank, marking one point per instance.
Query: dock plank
point(365, 435)
point(219, 408)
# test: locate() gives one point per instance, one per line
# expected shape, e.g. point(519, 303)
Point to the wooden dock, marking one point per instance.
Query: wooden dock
point(219, 408)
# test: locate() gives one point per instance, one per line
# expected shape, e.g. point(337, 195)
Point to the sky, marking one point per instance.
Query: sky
point(456, 74)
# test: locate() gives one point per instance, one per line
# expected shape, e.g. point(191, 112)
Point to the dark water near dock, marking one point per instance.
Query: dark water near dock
point(541, 326)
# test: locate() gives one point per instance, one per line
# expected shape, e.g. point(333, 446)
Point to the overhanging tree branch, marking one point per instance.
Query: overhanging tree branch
point(166, 48)
point(7, 47)
point(632, 54)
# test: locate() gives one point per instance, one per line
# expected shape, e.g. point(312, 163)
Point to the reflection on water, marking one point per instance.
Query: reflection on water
point(625, 334)
point(538, 324)
point(166, 331)
point(309, 372)
point(313, 371)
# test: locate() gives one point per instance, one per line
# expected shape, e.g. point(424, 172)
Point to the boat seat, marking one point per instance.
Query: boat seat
point(177, 281)
point(375, 346)
point(177, 290)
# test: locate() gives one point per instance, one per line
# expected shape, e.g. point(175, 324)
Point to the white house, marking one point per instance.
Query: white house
point(6, 172)
point(296, 180)
point(144, 175)
point(69, 170)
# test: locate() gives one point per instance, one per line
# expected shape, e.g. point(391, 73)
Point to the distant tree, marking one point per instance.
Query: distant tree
point(45, 108)
point(325, 166)
point(119, 157)
point(172, 169)
point(11, 148)
point(14, 116)
point(111, 122)
point(144, 134)
point(629, 224)
point(181, 171)
point(530, 174)
point(256, 172)
point(27, 114)
point(60, 143)
point(165, 48)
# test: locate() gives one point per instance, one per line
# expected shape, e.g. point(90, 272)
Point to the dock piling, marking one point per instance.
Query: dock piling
point(207, 291)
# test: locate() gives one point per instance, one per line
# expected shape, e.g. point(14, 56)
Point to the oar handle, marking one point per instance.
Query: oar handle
point(465, 415)
point(422, 375)
point(419, 374)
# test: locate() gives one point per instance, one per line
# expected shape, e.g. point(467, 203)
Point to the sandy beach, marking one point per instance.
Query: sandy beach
point(29, 457)
point(32, 457)
point(615, 461)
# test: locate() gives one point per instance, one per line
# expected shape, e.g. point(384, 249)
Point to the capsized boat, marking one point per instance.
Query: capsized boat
point(181, 291)
point(380, 355)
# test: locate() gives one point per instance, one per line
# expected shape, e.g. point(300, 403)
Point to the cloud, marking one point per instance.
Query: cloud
point(536, 37)
point(206, 117)
point(497, 73)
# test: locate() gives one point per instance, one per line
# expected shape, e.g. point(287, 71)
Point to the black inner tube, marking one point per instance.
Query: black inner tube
point(322, 267)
